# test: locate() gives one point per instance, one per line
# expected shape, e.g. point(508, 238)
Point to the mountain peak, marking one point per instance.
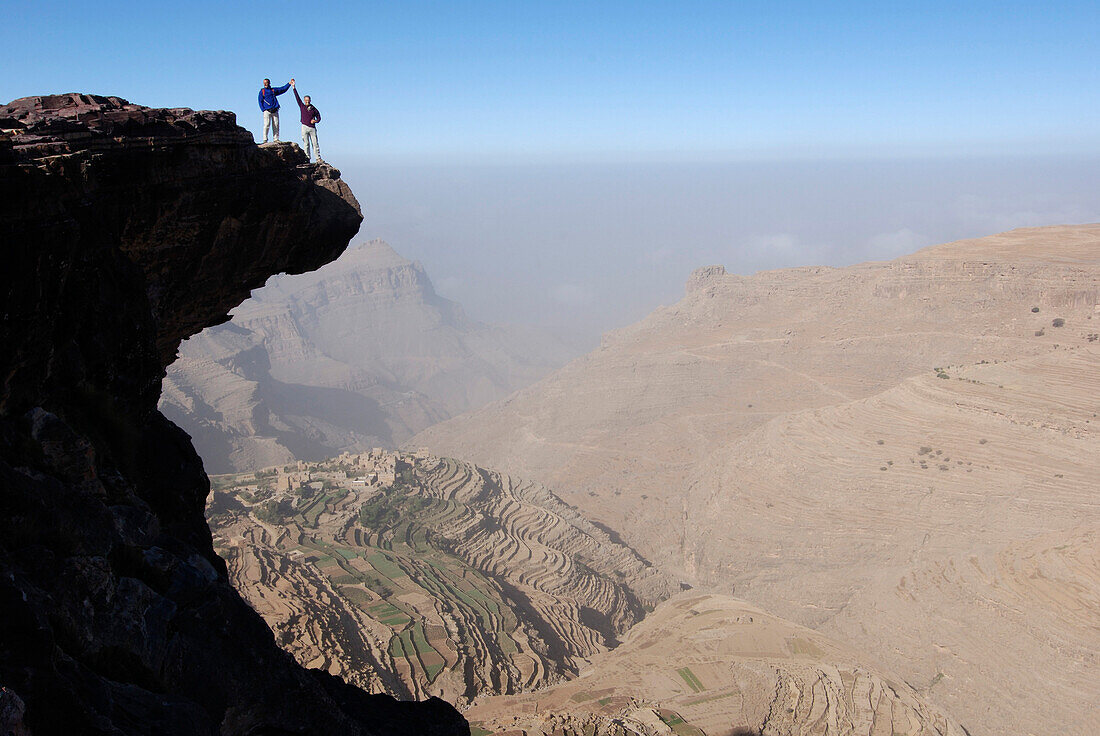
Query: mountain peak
point(377, 253)
point(700, 277)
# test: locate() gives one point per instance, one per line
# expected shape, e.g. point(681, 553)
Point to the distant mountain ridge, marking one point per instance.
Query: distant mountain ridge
point(900, 454)
point(358, 354)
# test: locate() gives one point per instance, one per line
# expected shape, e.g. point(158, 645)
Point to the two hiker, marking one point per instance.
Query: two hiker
point(310, 115)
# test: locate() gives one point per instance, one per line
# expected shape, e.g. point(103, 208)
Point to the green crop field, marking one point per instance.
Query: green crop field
point(383, 564)
point(358, 596)
point(401, 646)
point(388, 614)
point(679, 726)
point(692, 681)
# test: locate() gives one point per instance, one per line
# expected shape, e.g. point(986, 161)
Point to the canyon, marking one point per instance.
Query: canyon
point(360, 353)
point(853, 501)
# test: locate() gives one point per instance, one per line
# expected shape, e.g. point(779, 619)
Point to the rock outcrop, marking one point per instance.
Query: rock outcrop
point(128, 229)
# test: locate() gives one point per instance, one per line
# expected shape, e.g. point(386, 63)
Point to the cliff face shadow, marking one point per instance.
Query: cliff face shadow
point(599, 621)
point(129, 229)
point(294, 403)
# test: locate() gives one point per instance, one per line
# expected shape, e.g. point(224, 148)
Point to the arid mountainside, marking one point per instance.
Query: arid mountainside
point(127, 229)
point(417, 574)
point(357, 354)
point(709, 664)
point(414, 574)
point(904, 455)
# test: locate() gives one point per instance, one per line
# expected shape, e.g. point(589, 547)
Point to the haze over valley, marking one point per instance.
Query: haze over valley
point(359, 353)
point(622, 369)
point(877, 485)
point(902, 454)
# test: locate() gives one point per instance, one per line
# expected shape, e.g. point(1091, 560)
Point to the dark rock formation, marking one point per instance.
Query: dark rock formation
point(125, 230)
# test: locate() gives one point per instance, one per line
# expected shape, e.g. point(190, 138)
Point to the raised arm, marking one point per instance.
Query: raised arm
point(284, 88)
point(300, 103)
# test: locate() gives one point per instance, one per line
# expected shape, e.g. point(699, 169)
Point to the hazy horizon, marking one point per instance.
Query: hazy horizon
point(516, 148)
point(585, 248)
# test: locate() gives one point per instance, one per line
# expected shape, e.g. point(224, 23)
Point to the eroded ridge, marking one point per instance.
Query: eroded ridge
point(416, 575)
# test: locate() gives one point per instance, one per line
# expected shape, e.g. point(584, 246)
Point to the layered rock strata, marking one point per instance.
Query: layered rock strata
point(128, 229)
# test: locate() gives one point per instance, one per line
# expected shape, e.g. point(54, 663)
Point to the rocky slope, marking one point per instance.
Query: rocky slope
point(902, 454)
point(127, 230)
point(360, 353)
point(443, 578)
point(710, 664)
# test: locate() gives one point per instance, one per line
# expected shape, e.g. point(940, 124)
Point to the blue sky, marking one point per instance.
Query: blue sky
point(569, 163)
point(597, 80)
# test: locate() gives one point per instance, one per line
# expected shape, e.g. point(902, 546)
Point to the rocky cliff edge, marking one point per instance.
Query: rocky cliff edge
point(125, 230)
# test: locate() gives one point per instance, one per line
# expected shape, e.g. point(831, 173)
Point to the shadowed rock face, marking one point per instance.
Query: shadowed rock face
point(126, 230)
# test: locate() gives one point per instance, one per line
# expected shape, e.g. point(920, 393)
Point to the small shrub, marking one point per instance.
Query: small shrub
point(924, 450)
point(982, 441)
point(1040, 332)
point(880, 442)
point(1058, 322)
point(1035, 309)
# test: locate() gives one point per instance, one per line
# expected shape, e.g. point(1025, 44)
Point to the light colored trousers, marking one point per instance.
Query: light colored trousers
point(309, 133)
point(271, 120)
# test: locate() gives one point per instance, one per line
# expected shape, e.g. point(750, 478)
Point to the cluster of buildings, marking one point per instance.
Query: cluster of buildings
point(376, 468)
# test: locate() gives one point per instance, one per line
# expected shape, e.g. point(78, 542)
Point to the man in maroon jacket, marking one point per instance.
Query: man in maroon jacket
point(310, 117)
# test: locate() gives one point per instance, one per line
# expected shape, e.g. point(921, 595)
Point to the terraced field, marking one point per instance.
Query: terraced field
point(451, 581)
point(709, 664)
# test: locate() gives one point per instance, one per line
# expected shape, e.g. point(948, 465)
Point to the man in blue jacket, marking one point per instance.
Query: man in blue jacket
point(270, 106)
